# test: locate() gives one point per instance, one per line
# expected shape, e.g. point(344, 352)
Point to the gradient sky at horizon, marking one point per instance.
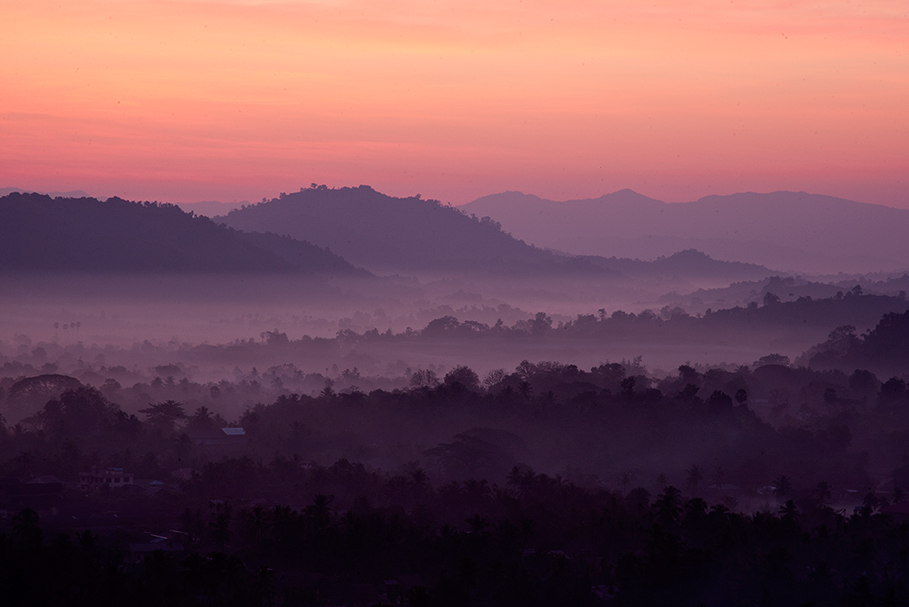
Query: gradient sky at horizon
point(181, 101)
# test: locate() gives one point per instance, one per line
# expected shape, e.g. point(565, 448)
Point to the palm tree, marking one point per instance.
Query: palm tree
point(669, 506)
point(319, 511)
point(219, 523)
point(419, 483)
point(822, 493)
point(257, 524)
point(871, 502)
point(719, 476)
point(26, 529)
point(525, 390)
point(662, 480)
point(625, 482)
point(788, 512)
point(695, 510)
point(783, 486)
point(517, 480)
point(694, 478)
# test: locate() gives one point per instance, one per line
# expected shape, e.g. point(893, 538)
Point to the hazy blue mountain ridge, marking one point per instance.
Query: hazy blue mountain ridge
point(785, 230)
point(373, 230)
point(384, 233)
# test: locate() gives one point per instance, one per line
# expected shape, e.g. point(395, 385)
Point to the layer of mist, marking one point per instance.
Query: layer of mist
point(377, 400)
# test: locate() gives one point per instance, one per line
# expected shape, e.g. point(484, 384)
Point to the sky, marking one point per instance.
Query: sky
point(182, 101)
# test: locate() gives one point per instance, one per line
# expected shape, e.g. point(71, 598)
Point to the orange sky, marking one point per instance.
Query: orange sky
point(182, 101)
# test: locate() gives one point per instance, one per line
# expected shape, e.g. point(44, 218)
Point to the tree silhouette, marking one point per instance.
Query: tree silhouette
point(201, 421)
point(256, 524)
point(424, 378)
point(463, 375)
point(625, 482)
point(694, 477)
point(662, 480)
point(26, 530)
point(668, 506)
point(771, 299)
point(719, 476)
point(219, 522)
point(782, 486)
point(789, 513)
point(822, 493)
point(163, 415)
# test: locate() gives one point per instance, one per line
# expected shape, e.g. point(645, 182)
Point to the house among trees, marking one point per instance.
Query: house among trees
point(105, 477)
point(219, 441)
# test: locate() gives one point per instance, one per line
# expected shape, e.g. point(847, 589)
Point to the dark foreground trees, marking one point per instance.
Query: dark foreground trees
point(539, 541)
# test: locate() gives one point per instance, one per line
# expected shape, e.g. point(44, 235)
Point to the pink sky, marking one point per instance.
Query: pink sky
point(182, 101)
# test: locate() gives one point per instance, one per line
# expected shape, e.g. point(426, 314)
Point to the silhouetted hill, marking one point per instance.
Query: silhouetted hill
point(691, 264)
point(38, 233)
point(384, 233)
point(70, 194)
point(210, 208)
point(785, 230)
point(304, 256)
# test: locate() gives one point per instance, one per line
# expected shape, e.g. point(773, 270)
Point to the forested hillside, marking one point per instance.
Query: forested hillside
point(85, 235)
point(384, 233)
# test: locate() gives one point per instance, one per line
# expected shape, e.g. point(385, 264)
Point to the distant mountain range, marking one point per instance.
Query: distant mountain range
point(387, 234)
point(403, 235)
point(792, 231)
point(40, 233)
point(316, 230)
point(788, 231)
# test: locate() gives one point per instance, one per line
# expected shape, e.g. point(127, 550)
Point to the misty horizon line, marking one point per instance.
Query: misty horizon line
point(79, 193)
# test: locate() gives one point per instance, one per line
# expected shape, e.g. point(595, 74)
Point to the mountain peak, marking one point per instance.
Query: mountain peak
point(386, 233)
point(40, 233)
point(795, 231)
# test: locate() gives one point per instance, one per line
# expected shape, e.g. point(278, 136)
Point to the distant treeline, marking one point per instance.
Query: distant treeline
point(885, 347)
point(28, 381)
point(740, 427)
point(668, 325)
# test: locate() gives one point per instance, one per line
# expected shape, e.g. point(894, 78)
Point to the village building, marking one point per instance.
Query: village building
point(105, 477)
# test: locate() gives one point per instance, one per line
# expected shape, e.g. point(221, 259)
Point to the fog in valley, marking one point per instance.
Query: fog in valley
point(319, 303)
point(338, 358)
